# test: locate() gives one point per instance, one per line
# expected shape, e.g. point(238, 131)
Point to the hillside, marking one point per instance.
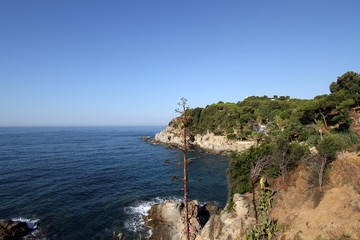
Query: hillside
point(291, 154)
point(262, 119)
point(303, 212)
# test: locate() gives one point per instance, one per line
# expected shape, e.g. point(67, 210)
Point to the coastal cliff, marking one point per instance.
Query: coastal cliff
point(209, 142)
point(297, 161)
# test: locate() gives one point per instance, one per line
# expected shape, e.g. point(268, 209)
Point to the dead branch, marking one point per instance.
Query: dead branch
point(202, 155)
point(258, 168)
point(199, 179)
point(167, 161)
point(176, 178)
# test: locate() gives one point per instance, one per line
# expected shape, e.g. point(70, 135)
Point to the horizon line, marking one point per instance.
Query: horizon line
point(13, 126)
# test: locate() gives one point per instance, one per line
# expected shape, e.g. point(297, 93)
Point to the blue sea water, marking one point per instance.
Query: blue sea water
point(87, 182)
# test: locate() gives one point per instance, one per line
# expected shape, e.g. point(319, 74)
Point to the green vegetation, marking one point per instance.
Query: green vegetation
point(267, 227)
point(240, 120)
point(284, 130)
point(345, 236)
point(241, 165)
point(292, 127)
point(243, 120)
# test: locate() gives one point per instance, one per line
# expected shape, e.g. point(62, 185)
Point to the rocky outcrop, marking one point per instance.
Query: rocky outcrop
point(209, 142)
point(13, 230)
point(167, 220)
point(206, 223)
point(229, 225)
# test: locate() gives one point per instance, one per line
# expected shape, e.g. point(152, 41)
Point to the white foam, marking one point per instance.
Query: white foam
point(32, 223)
point(135, 222)
point(201, 203)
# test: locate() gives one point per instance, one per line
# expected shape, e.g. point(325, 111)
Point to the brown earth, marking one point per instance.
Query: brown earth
point(303, 212)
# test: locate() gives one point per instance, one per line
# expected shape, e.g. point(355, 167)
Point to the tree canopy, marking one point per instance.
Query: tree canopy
point(244, 120)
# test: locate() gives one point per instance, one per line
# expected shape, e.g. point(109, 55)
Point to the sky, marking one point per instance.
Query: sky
point(129, 62)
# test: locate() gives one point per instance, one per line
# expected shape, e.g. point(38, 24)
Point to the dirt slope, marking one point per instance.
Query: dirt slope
point(305, 213)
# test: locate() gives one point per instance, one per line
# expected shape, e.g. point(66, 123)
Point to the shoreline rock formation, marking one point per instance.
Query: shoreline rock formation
point(208, 142)
point(208, 222)
point(167, 220)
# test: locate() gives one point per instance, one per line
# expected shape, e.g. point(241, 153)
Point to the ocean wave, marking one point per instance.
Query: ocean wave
point(135, 213)
point(32, 223)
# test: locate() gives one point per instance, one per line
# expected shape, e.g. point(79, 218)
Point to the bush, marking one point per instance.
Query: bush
point(272, 172)
point(313, 140)
point(329, 146)
point(241, 165)
point(229, 130)
point(219, 132)
point(347, 139)
point(231, 136)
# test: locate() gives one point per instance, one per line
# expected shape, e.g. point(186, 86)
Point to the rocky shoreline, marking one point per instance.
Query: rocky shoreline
point(207, 222)
point(209, 142)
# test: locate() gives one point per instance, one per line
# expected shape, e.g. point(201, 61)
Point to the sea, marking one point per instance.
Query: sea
point(76, 183)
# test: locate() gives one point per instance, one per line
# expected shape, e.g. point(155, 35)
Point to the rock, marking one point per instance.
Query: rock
point(207, 211)
point(212, 228)
point(194, 221)
point(207, 223)
point(242, 205)
point(167, 220)
point(10, 230)
point(229, 225)
point(147, 138)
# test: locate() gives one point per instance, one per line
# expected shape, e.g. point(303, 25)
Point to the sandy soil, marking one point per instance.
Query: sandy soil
point(303, 212)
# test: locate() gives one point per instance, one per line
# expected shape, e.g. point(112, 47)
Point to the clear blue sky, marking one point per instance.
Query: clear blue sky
point(128, 62)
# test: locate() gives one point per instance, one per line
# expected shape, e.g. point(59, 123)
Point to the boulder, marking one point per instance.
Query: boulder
point(10, 230)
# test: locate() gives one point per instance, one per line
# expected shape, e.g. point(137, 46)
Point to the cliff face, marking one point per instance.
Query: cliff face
point(208, 142)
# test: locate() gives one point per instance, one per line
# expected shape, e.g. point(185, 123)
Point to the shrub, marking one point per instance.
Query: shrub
point(329, 146)
point(229, 130)
point(241, 165)
point(347, 139)
point(313, 140)
point(272, 172)
point(231, 136)
point(219, 132)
